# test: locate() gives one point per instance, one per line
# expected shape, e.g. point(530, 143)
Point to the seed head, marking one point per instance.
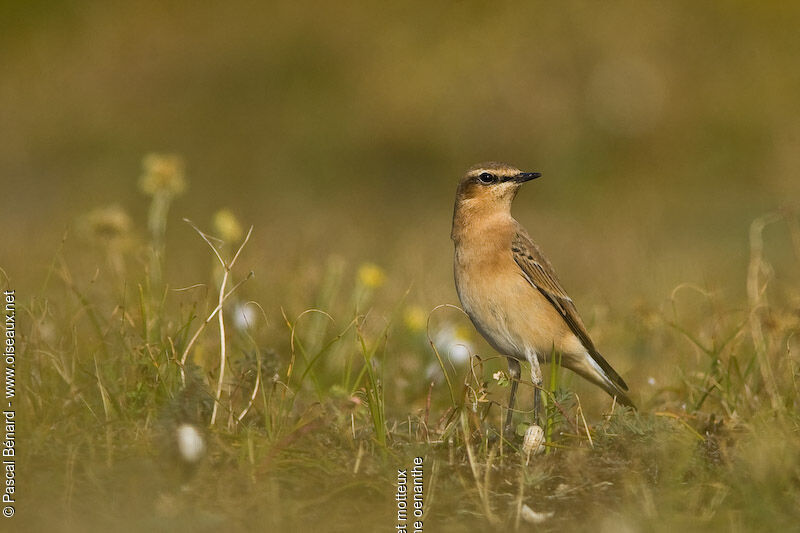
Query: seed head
point(107, 223)
point(162, 174)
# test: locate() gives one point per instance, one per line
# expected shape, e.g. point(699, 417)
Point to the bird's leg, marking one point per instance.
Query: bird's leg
point(536, 378)
point(514, 371)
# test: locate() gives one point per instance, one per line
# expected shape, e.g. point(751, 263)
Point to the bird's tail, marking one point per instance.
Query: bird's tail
point(615, 391)
point(609, 381)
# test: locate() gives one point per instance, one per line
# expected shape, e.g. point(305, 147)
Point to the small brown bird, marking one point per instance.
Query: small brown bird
point(511, 292)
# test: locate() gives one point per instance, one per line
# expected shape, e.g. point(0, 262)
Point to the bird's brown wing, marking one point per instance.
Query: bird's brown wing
point(539, 273)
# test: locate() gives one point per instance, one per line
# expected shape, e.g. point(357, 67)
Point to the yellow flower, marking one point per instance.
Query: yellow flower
point(227, 226)
point(415, 318)
point(371, 275)
point(163, 174)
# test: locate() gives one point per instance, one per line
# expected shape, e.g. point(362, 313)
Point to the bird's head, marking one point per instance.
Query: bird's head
point(492, 185)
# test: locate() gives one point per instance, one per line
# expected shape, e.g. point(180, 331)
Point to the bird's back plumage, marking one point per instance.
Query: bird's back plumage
point(540, 273)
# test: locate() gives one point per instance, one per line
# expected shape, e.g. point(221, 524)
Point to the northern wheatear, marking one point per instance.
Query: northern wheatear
point(509, 289)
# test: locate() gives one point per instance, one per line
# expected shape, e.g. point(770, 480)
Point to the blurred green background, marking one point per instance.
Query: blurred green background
point(662, 131)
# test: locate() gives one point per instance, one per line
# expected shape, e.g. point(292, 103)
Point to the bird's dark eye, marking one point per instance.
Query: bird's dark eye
point(487, 177)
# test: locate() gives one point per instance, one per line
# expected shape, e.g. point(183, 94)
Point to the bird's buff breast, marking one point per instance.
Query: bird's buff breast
point(512, 315)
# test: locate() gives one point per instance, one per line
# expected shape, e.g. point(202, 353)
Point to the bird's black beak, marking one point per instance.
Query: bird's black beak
point(522, 177)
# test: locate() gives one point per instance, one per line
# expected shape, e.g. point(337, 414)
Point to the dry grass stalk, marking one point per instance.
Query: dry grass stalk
point(758, 303)
point(226, 267)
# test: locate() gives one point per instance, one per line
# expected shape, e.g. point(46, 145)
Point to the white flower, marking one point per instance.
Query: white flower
point(190, 443)
point(244, 316)
point(529, 515)
point(453, 341)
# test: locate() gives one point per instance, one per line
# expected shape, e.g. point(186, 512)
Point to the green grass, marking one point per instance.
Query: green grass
point(309, 423)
